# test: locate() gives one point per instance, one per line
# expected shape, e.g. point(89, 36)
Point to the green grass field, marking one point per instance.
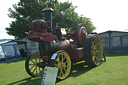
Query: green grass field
point(112, 72)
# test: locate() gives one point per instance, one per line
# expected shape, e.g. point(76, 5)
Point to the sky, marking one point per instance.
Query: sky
point(105, 14)
point(4, 19)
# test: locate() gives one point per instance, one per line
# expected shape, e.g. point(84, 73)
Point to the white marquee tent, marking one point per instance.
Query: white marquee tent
point(9, 50)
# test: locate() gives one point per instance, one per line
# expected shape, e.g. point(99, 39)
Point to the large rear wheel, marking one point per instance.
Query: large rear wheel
point(31, 64)
point(93, 50)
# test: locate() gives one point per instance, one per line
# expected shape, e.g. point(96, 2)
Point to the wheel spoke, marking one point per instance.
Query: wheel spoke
point(94, 40)
point(32, 69)
point(36, 70)
point(93, 44)
point(57, 66)
point(62, 58)
point(36, 58)
point(62, 72)
point(97, 58)
point(93, 58)
point(98, 51)
point(97, 44)
point(32, 64)
point(58, 60)
point(32, 61)
point(65, 67)
point(39, 69)
point(93, 53)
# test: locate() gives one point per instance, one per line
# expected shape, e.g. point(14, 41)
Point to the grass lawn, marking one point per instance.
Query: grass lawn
point(112, 72)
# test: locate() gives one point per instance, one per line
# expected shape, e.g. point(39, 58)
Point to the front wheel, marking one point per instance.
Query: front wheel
point(63, 63)
point(31, 64)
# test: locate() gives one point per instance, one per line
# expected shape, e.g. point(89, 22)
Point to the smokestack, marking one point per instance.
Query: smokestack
point(48, 16)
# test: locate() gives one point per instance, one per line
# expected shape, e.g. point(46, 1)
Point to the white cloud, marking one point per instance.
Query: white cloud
point(105, 14)
point(4, 19)
point(5, 36)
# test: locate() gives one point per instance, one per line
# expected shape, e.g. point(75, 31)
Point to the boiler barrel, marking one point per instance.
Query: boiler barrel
point(64, 45)
point(47, 48)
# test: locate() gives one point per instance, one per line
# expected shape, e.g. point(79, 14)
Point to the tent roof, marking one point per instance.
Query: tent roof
point(3, 41)
point(113, 31)
point(20, 42)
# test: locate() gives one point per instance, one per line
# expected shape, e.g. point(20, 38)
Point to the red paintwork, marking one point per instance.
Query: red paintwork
point(37, 36)
point(38, 32)
point(64, 45)
point(38, 25)
point(82, 31)
point(71, 35)
point(76, 53)
point(49, 24)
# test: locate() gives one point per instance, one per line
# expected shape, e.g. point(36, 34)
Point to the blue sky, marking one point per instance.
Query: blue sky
point(105, 14)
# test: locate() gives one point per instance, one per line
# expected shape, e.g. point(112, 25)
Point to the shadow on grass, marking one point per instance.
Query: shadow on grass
point(79, 69)
point(27, 81)
point(116, 54)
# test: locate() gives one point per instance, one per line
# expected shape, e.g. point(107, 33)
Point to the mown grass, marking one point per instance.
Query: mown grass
point(112, 72)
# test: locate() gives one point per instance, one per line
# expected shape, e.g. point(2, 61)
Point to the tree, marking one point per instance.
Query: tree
point(26, 11)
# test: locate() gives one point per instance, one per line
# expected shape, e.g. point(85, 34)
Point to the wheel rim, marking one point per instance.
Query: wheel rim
point(97, 50)
point(63, 63)
point(33, 68)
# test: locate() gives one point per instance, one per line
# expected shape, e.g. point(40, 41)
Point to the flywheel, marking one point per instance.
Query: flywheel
point(81, 33)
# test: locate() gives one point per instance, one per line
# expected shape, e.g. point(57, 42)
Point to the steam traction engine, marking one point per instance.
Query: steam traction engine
point(60, 48)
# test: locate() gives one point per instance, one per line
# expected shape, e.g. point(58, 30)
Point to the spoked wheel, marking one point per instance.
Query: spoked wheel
point(93, 50)
point(63, 63)
point(31, 64)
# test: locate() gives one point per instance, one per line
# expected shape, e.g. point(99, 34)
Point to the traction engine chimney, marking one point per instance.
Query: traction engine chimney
point(48, 18)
